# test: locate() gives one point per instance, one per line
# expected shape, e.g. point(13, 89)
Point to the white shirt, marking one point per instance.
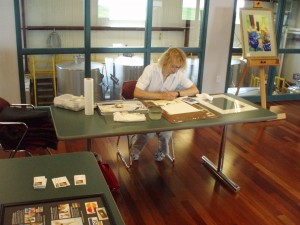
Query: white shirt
point(152, 80)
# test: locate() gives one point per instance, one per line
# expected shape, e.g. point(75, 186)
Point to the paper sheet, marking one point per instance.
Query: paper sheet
point(179, 108)
point(109, 107)
point(128, 117)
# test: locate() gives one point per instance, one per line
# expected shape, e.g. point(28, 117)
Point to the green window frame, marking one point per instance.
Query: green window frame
point(87, 50)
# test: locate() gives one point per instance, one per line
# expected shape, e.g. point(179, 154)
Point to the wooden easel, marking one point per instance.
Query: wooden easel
point(261, 63)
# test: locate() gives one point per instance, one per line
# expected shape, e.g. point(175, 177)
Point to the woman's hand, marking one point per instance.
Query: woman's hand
point(170, 95)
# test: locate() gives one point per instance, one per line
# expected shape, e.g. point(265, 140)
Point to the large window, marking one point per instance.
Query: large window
point(119, 37)
point(177, 23)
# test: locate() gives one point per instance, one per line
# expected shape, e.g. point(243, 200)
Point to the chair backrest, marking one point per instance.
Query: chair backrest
point(128, 89)
point(3, 104)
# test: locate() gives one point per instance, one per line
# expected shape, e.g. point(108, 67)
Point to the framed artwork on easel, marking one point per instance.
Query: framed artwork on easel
point(258, 34)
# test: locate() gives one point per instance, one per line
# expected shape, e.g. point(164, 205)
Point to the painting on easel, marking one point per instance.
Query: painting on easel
point(257, 29)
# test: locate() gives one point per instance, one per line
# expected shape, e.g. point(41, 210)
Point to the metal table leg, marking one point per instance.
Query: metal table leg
point(89, 144)
point(217, 170)
point(120, 155)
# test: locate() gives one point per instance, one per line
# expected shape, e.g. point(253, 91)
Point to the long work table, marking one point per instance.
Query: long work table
point(71, 125)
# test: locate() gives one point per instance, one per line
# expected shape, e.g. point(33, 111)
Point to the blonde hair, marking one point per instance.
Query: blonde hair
point(173, 55)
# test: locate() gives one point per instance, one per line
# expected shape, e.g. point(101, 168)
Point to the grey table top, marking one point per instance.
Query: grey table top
point(76, 125)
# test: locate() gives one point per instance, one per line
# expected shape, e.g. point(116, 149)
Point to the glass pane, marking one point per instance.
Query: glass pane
point(291, 25)
point(192, 68)
point(27, 81)
point(70, 71)
point(117, 69)
point(250, 84)
point(40, 77)
point(287, 80)
point(53, 23)
point(236, 68)
point(177, 23)
point(118, 23)
point(47, 76)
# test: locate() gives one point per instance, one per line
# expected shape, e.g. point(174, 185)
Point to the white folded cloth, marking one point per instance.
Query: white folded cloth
point(128, 117)
point(205, 96)
point(69, 101)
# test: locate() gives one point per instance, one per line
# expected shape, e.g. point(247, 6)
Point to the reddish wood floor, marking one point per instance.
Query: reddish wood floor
point(262, 158)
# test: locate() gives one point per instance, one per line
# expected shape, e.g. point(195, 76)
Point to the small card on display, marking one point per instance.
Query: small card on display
point(80, 179)
point(39, 182)
point(60, 182)
point(189, 100)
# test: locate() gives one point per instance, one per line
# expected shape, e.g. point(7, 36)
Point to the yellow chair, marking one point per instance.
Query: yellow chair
point(280, 84)
point(254, 81)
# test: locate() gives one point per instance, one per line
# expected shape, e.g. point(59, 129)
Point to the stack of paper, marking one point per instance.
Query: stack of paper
point(39, 182)
point(128, 117)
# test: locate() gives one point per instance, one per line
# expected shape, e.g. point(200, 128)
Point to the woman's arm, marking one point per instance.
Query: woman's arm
point(191, 91)
point(170, 95)
point(142, 94)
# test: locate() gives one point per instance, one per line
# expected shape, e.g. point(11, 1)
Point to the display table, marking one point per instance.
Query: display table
point(76, 125)
point(17, 180)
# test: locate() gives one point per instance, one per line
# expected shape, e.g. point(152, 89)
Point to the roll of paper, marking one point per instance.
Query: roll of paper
point(89, 96)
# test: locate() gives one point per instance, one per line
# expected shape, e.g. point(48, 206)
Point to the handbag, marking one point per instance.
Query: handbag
point(109, 175)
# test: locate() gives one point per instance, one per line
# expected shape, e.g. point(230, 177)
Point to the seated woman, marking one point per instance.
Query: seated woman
point(163, 80)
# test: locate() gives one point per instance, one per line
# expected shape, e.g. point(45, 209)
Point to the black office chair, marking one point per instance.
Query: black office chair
point(23, 128)
point(127, 93)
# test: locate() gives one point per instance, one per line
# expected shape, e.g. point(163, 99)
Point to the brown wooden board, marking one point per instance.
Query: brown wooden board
point(204, 113)
point(183, 117)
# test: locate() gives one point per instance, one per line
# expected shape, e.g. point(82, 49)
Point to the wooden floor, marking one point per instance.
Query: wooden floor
point(262, 158)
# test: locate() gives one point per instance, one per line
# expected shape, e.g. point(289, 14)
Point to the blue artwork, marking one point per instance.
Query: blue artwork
point(258, 33)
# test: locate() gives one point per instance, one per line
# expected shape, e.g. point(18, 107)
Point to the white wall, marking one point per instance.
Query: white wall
point(9, 79)
point(217, 48)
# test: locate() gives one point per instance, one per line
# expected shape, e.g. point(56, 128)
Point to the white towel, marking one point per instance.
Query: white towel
point(128, 117)
point(205, 96)
point(69, 101)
